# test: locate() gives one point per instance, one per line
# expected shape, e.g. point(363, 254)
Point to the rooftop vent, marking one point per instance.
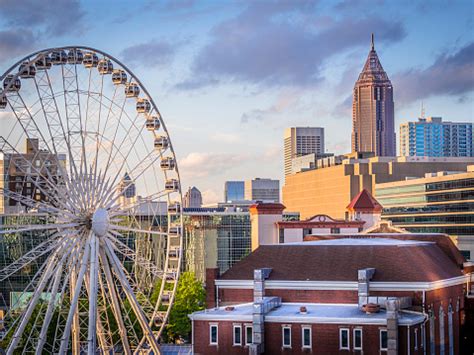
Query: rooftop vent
point(303, 310)
point(371, 308)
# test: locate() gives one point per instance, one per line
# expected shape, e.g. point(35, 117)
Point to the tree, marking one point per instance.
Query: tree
point(190, 297)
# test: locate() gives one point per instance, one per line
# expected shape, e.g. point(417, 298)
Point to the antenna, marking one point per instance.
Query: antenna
point(422, 110)
point(372, 42)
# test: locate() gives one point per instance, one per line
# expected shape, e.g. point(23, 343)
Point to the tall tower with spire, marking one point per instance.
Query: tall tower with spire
point(373, 128)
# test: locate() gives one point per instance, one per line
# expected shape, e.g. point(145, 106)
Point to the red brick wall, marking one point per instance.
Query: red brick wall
point(325, 339)
point(211, 276)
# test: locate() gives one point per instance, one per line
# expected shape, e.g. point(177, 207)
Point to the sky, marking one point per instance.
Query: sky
point(229, 76)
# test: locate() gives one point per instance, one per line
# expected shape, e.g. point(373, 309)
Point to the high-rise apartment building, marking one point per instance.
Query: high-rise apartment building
point(193, 198)
point(300, 141)
point(262, 190)
point(372, 110)
point(432, 137)
point(234, 191)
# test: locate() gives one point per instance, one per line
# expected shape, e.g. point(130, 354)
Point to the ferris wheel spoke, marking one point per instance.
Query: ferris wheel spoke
point(115, 263)
point(133, 256)
point(53, 121)
point(115, 302)
point(29, 257)
point(33, 302)
point(39, 227)
point(29, 202)
point(116, 227)
point(29, 169)
point(72, 102)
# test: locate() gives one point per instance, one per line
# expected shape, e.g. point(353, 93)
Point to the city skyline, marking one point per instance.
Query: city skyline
point(252, 101)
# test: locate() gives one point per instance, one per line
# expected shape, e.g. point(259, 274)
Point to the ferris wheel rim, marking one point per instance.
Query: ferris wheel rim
point(33, 57)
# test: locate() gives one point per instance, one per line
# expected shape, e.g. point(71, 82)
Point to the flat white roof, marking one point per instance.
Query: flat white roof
point(317, 313)
point(361, 241)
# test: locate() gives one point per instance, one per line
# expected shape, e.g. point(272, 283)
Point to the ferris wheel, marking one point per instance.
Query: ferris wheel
point(90, 203)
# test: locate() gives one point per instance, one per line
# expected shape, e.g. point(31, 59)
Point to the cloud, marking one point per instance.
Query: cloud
point(151, 53)
point(275, 44)
point(200, 165)
point(285, 100)
point(225, 137)
point(451, 74)
point(210, 196)
point(55, 17)
point(15, 42)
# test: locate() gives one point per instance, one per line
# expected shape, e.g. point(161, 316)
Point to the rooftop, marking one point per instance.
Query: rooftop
point(315, 313)
point(398, 258)
point(364, 202)
point(363, 241)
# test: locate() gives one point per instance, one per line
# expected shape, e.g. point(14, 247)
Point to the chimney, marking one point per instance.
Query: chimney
point(263, 218)
point(212, 274)
point(393, 306)
point(261, 306)
point(364, 276)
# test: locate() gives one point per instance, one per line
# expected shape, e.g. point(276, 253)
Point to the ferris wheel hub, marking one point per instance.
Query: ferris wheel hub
point(100, 222)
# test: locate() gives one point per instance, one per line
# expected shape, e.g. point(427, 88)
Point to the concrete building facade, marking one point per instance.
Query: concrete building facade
point(260, 189)
point(328, 190)
point(373, 109)
point(300, 141)
point(432, 137)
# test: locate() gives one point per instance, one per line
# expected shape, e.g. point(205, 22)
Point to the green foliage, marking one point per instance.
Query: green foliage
point(190, 297)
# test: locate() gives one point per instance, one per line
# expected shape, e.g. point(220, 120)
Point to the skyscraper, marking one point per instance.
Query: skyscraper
point(258, 189)
point(299, 141)
point(372, 109)
point(431, 137)
point(234, 191)
point(192, 198)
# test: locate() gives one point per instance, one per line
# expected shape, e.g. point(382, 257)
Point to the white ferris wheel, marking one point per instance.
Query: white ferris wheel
point(90, 207)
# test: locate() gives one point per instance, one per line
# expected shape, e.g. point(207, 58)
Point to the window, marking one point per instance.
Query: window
point(286, 337)
point(344, 339)
point(306, 337)
point(357, 339)
point(248, 335)
point(335, 230)
point(237, 335)
point(213, 334)
point(383, 339)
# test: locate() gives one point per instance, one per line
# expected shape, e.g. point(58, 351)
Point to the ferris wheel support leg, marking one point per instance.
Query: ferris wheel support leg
point(148, 333)
point(93, 268)
point(115, 302)
point(73, 311)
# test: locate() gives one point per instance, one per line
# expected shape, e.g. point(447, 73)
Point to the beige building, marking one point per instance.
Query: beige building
point(300, 141)
point(329, 190)
point(440, 202)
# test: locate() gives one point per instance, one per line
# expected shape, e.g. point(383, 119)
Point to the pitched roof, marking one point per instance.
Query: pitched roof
point(373, 70)
point(364, 202)
point(314, 261)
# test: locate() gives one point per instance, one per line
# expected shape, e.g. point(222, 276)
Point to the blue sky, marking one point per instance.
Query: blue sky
point(229, 76)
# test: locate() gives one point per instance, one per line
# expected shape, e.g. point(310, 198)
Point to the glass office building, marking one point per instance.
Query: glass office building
point(234, 191)
point(440, 203)
point(431, 137)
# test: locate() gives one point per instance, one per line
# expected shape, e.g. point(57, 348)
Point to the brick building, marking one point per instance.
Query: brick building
point(379, 293)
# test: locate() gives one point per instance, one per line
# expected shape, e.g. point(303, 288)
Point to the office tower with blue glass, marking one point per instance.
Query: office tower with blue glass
point(234, 191)
point(431, 137)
